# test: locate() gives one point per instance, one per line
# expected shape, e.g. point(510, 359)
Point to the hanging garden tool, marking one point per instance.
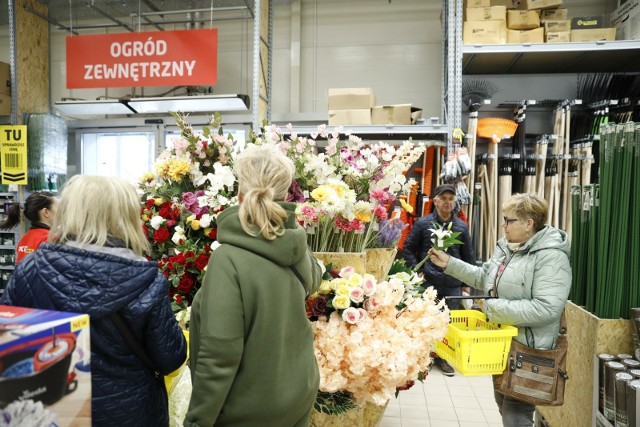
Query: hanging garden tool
point(495, 129)
point(475, 93)
point(530, 174)
point(541, 156)
point(518, 150)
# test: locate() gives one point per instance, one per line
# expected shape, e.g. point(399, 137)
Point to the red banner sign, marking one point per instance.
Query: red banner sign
point(157, 58)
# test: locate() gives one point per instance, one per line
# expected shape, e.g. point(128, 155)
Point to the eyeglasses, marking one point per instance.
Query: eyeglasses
point(508, 221)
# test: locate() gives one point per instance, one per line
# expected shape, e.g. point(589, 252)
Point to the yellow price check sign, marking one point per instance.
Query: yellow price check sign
point(13, 154)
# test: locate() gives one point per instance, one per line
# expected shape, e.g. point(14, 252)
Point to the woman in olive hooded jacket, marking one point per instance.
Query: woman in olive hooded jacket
point(252, 354)
point(530, 274)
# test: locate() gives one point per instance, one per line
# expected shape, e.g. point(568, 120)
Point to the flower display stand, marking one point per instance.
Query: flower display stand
point(368, 415)
point(338, 260)
point(379, 261)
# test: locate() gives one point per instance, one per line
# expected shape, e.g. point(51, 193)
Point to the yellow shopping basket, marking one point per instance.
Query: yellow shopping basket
point(474, 346)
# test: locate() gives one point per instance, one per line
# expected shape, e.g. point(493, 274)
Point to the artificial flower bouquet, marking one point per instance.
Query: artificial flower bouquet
point(345, 190)
point(192, 183)
point(372, 338)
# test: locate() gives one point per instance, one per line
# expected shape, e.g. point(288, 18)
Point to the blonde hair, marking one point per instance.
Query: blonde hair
point(264, 176)
point(525, 206)
point(93, 208)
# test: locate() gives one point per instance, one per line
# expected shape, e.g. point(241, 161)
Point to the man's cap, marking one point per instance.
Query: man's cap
point(443, 189)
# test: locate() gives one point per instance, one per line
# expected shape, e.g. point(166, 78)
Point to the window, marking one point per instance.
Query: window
point(124, 154)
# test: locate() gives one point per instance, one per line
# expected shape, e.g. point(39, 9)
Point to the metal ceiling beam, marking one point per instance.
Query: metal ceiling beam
point(50, 20)
point(182, 11)
point(90, 5)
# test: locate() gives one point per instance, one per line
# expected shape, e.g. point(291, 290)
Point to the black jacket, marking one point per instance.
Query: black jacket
point(418, 243)
point(64, 278)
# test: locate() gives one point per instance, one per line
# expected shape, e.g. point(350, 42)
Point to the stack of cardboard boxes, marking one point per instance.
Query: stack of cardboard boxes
point(356, 106)
point(5, 89)
point(485, 22)
point(557, 26)
point(531, 21)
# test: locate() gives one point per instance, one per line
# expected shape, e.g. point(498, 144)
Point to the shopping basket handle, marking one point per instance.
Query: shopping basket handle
point(470, 297)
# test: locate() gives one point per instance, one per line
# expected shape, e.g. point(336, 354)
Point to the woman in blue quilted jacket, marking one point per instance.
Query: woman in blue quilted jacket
point(94, 264)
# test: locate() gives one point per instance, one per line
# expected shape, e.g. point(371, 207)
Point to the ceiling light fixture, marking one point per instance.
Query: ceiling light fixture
point(190, 104)
point(184, 104)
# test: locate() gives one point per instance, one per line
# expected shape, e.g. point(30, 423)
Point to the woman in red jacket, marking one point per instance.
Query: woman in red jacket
point(40, 209)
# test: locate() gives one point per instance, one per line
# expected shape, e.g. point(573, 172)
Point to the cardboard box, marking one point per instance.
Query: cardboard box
point(626, 19)
point(5, 79)
point(526, 36)
point(587, 22)
point(553, 26)
point(401, 114)
point(554, 14)
point(558, 37)
point(484, 32)
point(361, 116)
point(523, 19)
point(593, 35)
point(351, 98)
point(5, 105)
point(493, 13)
point(538, 4)
point(45, 360)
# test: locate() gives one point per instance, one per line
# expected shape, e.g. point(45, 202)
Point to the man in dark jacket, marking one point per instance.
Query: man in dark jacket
point(419, 242)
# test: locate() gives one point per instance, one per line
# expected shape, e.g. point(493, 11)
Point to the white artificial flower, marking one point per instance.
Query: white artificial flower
point(205, 221)
point(156, 222)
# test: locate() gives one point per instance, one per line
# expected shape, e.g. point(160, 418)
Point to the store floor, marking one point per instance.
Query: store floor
point(445, 402)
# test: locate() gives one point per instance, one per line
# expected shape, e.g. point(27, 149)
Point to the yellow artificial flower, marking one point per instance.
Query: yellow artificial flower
point(178, 169)
point(339, 189)
point(319, 194)
point(341, 302)
point(406, 206)
point(355, 280)
point(195, 224)
point(335, 283)
point(145, 217)
point(146, 177)
point(157, 201)
point(191, 218)
point(343, 290)
point(163, 169)
point(325, 287)
point(363, 215)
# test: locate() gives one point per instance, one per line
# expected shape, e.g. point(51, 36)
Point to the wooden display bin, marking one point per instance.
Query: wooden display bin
point(588, 335)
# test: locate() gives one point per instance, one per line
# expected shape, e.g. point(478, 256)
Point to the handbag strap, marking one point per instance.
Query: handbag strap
point(128, 337)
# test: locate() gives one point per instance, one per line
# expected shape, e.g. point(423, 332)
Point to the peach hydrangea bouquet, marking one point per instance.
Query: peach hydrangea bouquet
point(372, 338)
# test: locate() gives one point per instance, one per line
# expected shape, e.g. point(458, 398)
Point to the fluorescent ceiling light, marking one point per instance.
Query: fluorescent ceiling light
point(190, 104)
point(184, 104)
point(92, 108)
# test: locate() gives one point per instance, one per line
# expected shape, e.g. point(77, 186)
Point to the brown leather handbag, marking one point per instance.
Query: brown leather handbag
point(536, 376)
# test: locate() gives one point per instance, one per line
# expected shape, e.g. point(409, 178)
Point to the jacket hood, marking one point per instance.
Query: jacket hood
point(83, 281)
point(547, 238)
point(286, 250)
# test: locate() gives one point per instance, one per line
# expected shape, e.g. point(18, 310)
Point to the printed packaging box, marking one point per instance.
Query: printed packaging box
point(45, 375)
